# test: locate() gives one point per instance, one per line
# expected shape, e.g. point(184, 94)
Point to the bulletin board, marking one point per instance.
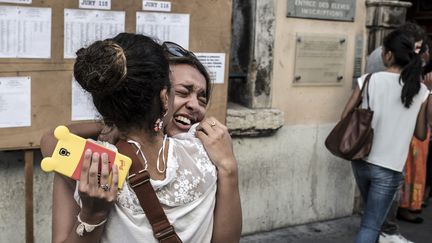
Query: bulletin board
point(209, 32)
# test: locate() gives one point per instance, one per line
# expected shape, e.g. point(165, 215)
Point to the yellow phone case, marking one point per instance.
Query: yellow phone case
point(69, 153)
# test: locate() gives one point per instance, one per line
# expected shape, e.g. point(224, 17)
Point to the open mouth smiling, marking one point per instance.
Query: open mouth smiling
point(183, 120)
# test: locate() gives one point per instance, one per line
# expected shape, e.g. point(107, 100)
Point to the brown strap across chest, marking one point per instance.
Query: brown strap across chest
point(139, 180)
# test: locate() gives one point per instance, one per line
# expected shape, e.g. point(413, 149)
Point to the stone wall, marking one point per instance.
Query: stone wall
point(12, 203)
point(290, 179)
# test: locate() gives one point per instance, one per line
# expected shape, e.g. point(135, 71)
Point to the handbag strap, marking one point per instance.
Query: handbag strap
point(139, 180)
point(366, 84)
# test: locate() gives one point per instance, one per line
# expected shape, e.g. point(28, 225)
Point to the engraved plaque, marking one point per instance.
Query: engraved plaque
point(342, 10)
point(320, 59)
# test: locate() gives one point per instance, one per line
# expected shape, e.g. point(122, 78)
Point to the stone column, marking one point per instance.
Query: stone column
point(251, 70)
point(383, 16)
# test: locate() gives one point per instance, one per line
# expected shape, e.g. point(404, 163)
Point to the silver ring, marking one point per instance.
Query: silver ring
point(105, 187)
point(212, 123)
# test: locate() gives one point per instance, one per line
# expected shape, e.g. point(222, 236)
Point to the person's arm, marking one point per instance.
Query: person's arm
point(227, 215)
point(429, 113)
point(424, 117)
point(351, 102)
point(64, 207)
point(427, 80)
point(85, 130)
point(96, 203)
point(422, 120)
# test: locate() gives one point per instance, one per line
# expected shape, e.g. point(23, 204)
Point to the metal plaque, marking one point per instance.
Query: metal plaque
point(320, 59)
point(343, 10)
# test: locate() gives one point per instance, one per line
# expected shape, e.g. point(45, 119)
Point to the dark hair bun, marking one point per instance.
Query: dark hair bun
point(101, 67)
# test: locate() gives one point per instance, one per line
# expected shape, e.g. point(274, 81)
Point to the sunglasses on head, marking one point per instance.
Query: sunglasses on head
point(176, 50)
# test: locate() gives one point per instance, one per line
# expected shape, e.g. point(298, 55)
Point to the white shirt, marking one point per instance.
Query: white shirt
point(392, 122)
point(187, 195)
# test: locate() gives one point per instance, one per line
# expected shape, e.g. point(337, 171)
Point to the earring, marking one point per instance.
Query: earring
point(158, 125)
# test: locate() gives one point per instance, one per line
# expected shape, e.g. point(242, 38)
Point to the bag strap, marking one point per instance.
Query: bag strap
point(139, 180)
point(365, 84)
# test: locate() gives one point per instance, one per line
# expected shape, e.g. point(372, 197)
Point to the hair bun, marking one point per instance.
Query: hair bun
point(101, 67)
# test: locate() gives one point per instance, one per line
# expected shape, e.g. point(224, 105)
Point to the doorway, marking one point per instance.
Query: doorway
point(421, 13)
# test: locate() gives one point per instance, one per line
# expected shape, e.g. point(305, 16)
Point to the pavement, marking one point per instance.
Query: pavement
point(341, 230)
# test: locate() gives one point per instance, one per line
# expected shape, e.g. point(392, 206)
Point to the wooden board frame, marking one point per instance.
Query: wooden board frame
point(210, 31)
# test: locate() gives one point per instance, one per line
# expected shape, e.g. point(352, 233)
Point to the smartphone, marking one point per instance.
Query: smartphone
point(68, 156)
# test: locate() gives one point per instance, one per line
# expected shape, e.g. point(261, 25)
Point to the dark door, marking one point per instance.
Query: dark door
point(421, 13)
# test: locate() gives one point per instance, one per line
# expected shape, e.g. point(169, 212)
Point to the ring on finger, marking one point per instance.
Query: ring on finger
point(212, 123)
point(105, 187)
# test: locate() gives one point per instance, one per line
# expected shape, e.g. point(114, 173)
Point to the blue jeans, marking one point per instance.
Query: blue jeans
point(377, 186)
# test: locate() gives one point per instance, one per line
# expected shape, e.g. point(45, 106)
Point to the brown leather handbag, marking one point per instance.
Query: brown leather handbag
point(352, 136)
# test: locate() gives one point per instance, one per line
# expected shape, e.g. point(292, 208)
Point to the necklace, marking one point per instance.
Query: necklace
point(161, 151)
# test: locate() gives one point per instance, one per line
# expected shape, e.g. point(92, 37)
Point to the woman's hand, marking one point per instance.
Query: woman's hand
point(227, 214)
point(97, 195)
point(218, 144)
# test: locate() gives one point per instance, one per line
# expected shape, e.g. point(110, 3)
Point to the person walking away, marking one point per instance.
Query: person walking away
point(398, 99)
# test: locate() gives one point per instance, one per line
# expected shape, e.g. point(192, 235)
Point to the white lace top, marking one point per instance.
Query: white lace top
point(187, 195)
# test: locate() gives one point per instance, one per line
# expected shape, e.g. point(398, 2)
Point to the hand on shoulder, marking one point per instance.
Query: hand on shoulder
point(218, 144)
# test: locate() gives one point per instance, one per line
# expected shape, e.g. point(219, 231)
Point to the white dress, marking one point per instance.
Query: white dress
point(187, 195)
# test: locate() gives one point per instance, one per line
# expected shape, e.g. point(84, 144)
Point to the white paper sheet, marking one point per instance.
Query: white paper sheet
point(16, 1)
point(25, 32)
point(164, 26)
point(34, 32)
point(95, 4)
point(83, 27)
point(162, 6)
point(82, 104)
point(8, 31)
point(15, 102)
point(215, 64)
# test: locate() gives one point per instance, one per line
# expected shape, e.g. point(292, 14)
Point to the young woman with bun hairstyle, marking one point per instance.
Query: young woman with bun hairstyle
point(128, 78)
point(399, 101)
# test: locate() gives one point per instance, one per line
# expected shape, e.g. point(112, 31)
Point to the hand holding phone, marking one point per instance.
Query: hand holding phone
point(68, 156)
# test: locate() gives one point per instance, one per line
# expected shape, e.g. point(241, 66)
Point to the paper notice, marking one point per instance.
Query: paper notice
point(8, 31)
point(25, 32)
point(34, 32)
point(95, 4)
point(215, 64)
point(15, 102)
point(156, 6)
point(83, 27)
point(164, 26)
point(82, 104)
point(17, 1)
